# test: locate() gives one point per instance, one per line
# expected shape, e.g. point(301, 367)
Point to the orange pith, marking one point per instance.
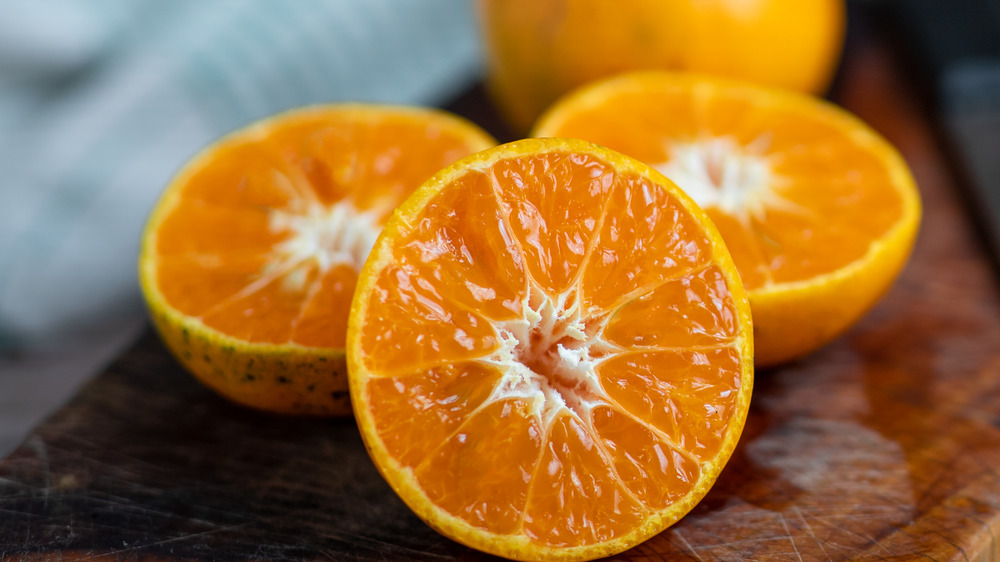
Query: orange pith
point(256, 244)
point(818, 212)
point(550, 351)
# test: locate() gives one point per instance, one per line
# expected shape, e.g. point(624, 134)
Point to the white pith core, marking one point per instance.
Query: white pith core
point(549, 356)
point(719, 172)
point(327, 235)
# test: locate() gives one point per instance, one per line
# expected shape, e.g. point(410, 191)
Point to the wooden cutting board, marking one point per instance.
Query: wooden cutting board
point(885, 444)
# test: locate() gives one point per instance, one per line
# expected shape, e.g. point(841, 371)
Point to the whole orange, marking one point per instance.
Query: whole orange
point(537, 50)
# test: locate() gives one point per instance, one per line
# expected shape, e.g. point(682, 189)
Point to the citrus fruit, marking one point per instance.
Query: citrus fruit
point(249, 260)
point(550, 351)
point(819, 211)
point(537, 50)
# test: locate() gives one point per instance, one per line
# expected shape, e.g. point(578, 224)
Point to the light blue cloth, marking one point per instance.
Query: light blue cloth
point(102, 100)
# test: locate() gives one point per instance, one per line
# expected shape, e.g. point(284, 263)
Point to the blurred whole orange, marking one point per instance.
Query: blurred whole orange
point(537, 50)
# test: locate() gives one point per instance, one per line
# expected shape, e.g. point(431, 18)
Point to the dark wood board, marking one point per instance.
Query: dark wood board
point(884, 445)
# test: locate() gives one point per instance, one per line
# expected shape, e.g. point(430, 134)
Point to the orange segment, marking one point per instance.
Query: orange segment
point(196, 227)
point(322, 320)
point(254, 169)
point(692, 407)
point(437, 400)
point(466, 251)
point(263, 311)
point(577, 497)
point(674, 314)
point(745, 246)
point(205, 280)
point(461, 477)
point(417, 327)
point(645, 237)
point(506, 351)
point(655, 472)
point(250, 259)
point(817, 210)
point(554, 208)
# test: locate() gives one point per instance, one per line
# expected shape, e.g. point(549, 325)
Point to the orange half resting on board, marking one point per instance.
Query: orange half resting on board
point(250, 258)
point(819, 211)
point(550, 351)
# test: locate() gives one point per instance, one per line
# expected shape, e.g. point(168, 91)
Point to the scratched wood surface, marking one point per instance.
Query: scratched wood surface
point(886, 444)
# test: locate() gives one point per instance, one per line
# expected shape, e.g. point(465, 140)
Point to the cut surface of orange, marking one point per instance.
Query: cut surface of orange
point(250, 258)
point(818, 211)
point(550, 351)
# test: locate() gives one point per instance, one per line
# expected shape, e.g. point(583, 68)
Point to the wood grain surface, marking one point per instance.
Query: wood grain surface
point(884, 445)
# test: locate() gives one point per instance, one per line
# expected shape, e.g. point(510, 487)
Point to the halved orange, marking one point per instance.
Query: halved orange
point(819, 211)
point(550, 351)
point(250, 258)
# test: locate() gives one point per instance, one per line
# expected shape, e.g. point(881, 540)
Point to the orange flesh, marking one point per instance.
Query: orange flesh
point(448, 388)
point(826, 201)
point(225, 250)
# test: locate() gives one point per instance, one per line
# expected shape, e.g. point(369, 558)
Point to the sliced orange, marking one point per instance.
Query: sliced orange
point(250, 258)
point(550, 351)
point(819, 211)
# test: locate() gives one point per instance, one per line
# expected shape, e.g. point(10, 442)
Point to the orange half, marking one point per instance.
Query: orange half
point(818, 210)
point(250, 258)
point(550, 351)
